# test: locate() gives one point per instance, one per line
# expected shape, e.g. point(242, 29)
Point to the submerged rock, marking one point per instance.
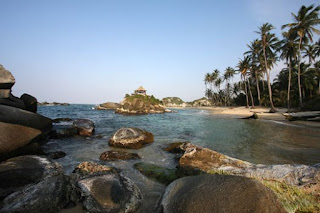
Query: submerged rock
point(84, 127)
point(118, 155)
point(133, 138)
point(219, 193)
point(59, 120)
point(158, 173)
point(31, 184)
point(56, 155)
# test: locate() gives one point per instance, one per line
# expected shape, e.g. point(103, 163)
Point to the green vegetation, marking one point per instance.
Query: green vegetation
point(297, 85)
point(145, 98)
point(172, 100)
point(292, 198)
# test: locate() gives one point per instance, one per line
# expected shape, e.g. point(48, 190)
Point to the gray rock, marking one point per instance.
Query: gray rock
point(131, 138)
point(118, 155)
point(13, 102)
point(13, 136)
point(6, 78)
point(31, 184)
point(84, 127)
point(218, 193)
point(5, 93)
point(30, 102)
point(25, 118)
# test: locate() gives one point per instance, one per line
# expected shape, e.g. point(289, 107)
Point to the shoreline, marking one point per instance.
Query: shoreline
point(262, 112)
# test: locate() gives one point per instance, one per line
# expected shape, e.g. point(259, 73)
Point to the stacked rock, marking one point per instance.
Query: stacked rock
point(26, 102)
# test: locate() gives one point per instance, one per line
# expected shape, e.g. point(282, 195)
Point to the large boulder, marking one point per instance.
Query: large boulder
point(118, 155)
point(84, 127)
point(31, 184)
point(133, 138)
point(30, 102)
point(102, 189)
point(13, 102)
point(219, 193)
point(25, 118)
point(13, 136)
point(6, 79)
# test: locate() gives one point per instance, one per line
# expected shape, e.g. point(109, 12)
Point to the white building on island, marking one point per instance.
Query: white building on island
point(140, 91)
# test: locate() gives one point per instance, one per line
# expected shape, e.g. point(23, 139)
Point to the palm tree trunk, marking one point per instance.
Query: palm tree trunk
point(299, 72)
point(268, 79)
point(289, 85)
point(252, 101)
point(245, 89)
point(258, 88)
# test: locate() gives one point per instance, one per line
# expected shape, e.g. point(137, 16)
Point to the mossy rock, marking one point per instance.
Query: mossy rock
point(157, 173)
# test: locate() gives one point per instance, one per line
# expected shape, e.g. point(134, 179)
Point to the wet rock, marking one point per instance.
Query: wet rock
point(253, 116)
point(158, 173)
point(133, 138)
point(30, 102)
point(84, 127)
point(56, 155)
point(102, 189)
point(13, 136)
point(177, 147)
point(25, 118)
point(62, 131)
point(118, 155)
point(59, 120)
point(219, 193)
point(31, 184)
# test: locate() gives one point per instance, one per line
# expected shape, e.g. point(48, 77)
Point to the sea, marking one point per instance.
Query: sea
point(255, 141)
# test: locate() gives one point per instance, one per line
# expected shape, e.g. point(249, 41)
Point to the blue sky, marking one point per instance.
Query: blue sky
point(96, 51)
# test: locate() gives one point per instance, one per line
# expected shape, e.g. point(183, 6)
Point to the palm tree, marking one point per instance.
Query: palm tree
point(243, 66)
point(303, 27)
point(288, 51)
point(253, 53)
point(310, 53)
point(269, 43)
point(229, 73)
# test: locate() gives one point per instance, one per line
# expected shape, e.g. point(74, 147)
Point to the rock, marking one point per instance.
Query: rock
point(118, 155)
point(173, 102)
point(84, 127)
point(30, 102)
point(6, 78)
point(13, 102)
point(103, 189)
point(25, 118)
point(302, 116)
point(31, 184)
point(56, 155)
point(210, 161)
point(53, 104)
point(219, 193)
point(158, 173)
point(13, 136)
point(109, 193)
point(5, 93)
point(107, 105)
point(253, 116)
point(63, 131)
point(133, 138)
point(177, 147)
point(201, 102)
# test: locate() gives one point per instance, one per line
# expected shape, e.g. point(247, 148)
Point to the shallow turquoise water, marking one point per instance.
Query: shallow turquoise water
point(255, 141)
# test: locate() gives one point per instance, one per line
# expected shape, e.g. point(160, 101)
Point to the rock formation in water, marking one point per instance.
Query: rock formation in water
point(174, 102)
point(107, 106)
point(140, 104)
point(133, 138)
point(118, 155)
point(52, 104)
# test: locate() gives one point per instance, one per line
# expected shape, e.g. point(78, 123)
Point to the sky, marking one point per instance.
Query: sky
point(79, 51)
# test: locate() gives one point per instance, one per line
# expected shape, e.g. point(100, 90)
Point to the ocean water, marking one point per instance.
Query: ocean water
point(256, 141)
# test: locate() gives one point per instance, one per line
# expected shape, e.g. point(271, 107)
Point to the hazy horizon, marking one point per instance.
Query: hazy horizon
point(97, 51)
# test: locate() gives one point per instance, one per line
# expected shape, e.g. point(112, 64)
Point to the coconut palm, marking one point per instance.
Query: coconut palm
point(288, 51)
point(244, 66)
point(253, 53)
point(310, 53)
point(303, 27)
point(268, 42)
point(228, 74)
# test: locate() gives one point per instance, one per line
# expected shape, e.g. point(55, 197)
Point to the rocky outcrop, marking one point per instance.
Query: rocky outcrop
point(102, 189)
point(118, 155)
point(84, 127)
point(30, 102)
point(209, 161)
point(174, 102)
point(219, 193)
point(6, 82)
point(203, 102)
point(31, 184)
point(53, 104)
point(140, 104)
point(107, 106)
point(133, 138)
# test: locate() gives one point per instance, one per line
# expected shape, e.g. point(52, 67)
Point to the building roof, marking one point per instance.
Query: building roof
point(141, 89)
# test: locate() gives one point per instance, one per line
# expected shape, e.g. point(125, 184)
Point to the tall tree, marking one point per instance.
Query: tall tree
point(303, 27)
point(288, 51)
point(269, 43)
point(243, 66)
point(310, 53)
point(228, 74)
